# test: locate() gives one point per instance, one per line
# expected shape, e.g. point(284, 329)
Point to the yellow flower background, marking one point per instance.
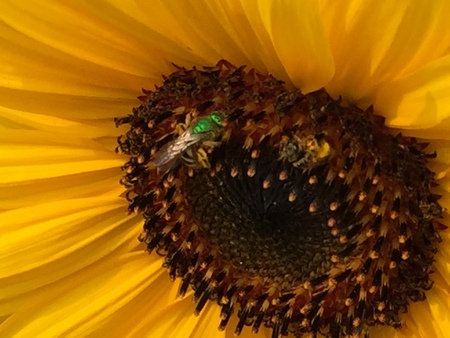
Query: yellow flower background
point(70, 263)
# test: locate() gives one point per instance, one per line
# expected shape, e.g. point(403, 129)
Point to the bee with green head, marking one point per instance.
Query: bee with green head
point(203, 129)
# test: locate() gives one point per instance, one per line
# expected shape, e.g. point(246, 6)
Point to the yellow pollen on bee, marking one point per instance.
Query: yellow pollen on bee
point(335, 232)
point(375, 180)
point(362, 196)
point(372, 289)
point(234, 172)
point(381, 306)
point(369, 233)
point(151, 124)
point(356, 322)
point(312, 207)
point(343, 239)
point(374, 255)
point(190, 172)
point(348, 302)
point(342, 173)
point(392, 265)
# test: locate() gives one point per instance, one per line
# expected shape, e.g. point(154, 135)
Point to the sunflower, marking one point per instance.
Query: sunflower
point(71, 262)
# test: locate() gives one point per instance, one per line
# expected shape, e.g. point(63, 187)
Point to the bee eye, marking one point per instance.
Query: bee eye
point(216, 118)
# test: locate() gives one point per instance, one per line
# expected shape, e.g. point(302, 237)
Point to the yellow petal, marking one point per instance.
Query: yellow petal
point(58, 156)
point(178, 320)
point(200, 30)
point(109, 47)
point(27, 193)
point(292, 41)
point(214, 29)
point(47, 242)
point(70, 107)
point(55, 72)
point(424, 320)
point(374, 41)
point(419, 100)
point(78, 306)
point(91, 129)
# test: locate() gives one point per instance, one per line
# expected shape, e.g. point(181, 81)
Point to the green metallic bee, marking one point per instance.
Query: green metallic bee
point(202, 131)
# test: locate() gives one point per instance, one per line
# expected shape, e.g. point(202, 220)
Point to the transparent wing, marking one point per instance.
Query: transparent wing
point(166, 157)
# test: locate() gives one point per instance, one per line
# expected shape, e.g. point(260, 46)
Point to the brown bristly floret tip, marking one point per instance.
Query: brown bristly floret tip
point(300, 214)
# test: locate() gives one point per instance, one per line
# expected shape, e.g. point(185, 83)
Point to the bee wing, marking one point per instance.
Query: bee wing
point(166, 157)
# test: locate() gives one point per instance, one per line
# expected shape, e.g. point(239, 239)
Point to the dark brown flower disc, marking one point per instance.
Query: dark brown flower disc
point(294, 212)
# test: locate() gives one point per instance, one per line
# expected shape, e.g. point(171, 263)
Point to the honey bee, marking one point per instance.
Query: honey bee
point(302, 152)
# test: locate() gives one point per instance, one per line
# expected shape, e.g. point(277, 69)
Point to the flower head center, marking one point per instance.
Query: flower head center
point(265, 216)
point(302, 214)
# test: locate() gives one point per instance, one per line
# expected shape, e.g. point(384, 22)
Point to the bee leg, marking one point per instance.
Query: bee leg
point(202, 158)
point(211, 144)
point(181, 128)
